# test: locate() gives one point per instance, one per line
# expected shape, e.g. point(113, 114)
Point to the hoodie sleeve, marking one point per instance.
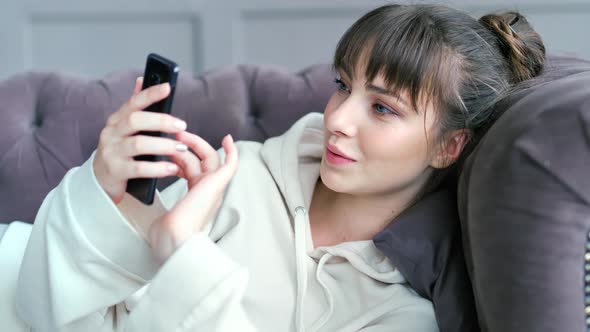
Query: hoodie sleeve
point(206, 294)
point(87, 268)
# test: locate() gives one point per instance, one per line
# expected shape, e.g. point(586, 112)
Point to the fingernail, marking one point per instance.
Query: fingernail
point(138, 78)
point(180, 124)
point(164, 87)
point(172, 168)
point(230, 137)
point(181, 147)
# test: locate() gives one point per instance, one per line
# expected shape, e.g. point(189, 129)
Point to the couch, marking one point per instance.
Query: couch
point(523, 195)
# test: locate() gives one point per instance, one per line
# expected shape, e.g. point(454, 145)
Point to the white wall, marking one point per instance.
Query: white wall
point(93, 38)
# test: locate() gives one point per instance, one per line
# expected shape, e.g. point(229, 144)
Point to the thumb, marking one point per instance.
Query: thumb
point(229, 167)
point(203, 198)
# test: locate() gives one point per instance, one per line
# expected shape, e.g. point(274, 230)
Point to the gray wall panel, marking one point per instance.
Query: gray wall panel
point(94, 45)
point(97, 37)
point(291, 38)
point(565, 32)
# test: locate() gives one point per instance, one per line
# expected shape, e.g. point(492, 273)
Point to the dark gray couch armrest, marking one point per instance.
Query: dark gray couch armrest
point(524, 199)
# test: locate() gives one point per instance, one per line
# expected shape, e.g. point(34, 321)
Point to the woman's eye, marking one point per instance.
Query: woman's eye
point(382, 110)
point(341, 85)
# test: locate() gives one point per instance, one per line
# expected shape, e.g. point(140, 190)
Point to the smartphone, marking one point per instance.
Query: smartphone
point(157, 70)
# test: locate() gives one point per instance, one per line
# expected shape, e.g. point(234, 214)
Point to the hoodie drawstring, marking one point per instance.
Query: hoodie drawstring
point(300, 256)
point(300, 251)
point(326, 316)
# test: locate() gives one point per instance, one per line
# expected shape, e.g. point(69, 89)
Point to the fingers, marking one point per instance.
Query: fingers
point(193, 168)
point(190, 166)
point(149, 145)
point(198, 206)
point(138, 85)
point(113, 164)
point(185, 164)
point(134, 122)
point(215, 182)
point(121, 166)
point(120, 169)
point(128, 120)
point(205, 152)
point(231, 158)
point(203, 198)
point(140, 100)
point(146, 97)
point(149, 169)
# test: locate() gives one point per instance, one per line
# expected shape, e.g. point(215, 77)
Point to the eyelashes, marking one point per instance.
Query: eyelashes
point(341, 85)
point(381, 110)
point(378, 108)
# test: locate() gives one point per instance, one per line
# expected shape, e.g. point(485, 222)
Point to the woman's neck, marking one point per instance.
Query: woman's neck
point(337, 217)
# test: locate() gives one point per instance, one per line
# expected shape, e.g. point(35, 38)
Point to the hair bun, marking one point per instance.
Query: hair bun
point(520, 44)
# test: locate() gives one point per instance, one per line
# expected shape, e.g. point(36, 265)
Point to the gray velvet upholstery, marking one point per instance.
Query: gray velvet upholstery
point(50, 122)
point(524, 200)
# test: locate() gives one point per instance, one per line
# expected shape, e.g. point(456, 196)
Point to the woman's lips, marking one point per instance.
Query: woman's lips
point(334, 156)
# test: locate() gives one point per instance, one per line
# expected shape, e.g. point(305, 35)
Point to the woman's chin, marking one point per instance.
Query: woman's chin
point(332, 180)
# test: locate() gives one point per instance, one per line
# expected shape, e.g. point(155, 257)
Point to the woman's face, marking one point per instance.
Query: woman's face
point(375, 143)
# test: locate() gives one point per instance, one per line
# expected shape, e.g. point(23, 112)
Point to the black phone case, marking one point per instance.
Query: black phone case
point(157, 70)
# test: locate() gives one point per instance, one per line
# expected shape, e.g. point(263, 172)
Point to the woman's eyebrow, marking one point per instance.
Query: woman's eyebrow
point(384, 91)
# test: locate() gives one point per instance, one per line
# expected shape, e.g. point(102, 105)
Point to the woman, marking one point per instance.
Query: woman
point(284, 241)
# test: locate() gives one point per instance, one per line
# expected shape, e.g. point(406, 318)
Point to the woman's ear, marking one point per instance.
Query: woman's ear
point(450, 149)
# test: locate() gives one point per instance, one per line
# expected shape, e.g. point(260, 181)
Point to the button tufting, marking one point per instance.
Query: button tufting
point(37, 119)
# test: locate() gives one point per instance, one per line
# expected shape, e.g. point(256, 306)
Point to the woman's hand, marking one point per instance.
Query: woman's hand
point(207, 180)
point(114, 164)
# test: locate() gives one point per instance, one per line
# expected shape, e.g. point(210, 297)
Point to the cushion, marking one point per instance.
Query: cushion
point(424, 243)
point(524, 202)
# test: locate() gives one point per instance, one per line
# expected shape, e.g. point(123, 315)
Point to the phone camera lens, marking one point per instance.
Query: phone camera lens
point(155, 79)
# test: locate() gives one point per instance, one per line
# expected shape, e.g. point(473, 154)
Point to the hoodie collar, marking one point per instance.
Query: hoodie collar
point(293, 159)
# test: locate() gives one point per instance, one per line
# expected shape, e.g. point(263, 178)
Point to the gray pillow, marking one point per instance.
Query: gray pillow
point(424, 243)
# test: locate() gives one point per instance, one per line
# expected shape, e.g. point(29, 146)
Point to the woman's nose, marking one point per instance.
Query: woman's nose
point(342, 120)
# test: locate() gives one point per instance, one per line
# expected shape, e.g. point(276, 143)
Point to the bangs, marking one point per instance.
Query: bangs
point(403, 45)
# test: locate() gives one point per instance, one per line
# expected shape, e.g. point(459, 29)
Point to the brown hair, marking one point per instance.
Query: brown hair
point(519, 43)
point(444, 56)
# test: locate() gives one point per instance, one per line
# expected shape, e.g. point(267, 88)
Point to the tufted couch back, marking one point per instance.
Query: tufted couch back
point(50, 122)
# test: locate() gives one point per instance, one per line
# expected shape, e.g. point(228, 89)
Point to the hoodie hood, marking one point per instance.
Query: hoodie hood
point(293, 160)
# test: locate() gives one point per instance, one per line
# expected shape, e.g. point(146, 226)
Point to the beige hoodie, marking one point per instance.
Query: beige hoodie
point(87, 267)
